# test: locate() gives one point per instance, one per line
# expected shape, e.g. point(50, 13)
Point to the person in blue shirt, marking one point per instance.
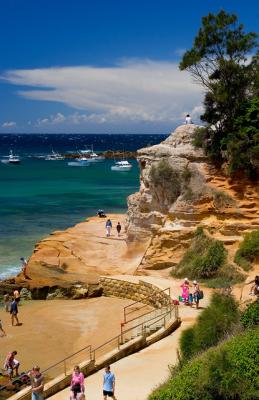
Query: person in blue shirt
point(108, 384)
point(108, 226)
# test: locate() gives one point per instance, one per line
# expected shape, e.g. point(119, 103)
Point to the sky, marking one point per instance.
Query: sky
point(80, 66)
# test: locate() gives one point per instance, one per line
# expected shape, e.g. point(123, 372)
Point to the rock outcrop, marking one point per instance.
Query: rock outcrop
point(166, 212)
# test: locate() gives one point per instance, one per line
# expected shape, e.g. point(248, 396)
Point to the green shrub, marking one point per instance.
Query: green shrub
point(214, 323)
point(203, 259)
point(222, 199)
point(248, 250)
point(250, 317)
point(228, 371)
point(227, 276)
point(164, 176)
point(199, 138)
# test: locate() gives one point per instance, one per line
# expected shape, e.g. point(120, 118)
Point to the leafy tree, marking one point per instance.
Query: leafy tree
point(218, 61)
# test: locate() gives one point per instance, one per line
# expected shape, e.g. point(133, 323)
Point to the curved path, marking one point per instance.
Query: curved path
point(139, 373)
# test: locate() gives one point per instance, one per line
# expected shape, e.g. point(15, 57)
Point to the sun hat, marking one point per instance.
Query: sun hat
point(195, 282)
point(186, 279)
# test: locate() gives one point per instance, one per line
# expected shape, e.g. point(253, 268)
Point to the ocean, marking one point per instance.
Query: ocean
point(38, 196)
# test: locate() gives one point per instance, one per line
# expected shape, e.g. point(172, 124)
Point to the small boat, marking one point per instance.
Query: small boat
point(11, 159)
point(123, 165)
point(54, 156)
point(79, 162)
point(91, 156)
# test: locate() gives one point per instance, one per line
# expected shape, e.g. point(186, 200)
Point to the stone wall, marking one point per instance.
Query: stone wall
point(143, 292)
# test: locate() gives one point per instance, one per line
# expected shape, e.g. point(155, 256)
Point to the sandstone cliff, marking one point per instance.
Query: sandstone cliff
point(167, 211)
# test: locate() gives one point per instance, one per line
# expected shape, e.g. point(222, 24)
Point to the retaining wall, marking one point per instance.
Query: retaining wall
point(142, 291)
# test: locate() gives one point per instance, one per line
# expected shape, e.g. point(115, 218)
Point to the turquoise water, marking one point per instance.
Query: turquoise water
point(38, 196)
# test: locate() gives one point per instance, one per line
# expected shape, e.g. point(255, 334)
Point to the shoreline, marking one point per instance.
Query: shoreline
point(79, 255)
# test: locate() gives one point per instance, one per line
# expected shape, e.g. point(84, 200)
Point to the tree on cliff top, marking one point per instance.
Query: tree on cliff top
point(218, 61)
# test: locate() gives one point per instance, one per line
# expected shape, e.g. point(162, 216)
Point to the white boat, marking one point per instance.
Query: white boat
point(95, 158)
point(79, 162)
point(91, 156)
point(54, 156)
point(123, 165)
point(11, 159)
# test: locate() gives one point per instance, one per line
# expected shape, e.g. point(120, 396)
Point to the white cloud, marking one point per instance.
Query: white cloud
point(9, 124)
point(137, 90)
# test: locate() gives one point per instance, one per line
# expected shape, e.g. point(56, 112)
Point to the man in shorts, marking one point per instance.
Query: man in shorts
point(37, 383)
point(108, 384)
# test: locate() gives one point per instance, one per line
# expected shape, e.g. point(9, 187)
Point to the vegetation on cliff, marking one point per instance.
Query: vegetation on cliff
point(228, 371)
point(219, 62)
point(206, 259)
point(250, 317)
point(248, 250)
point(216, 321)
point(219, 357)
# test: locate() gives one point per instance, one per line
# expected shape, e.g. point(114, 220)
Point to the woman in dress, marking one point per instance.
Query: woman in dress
point(77, 388)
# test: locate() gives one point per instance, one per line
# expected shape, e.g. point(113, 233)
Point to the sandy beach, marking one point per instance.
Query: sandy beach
point(53, 330)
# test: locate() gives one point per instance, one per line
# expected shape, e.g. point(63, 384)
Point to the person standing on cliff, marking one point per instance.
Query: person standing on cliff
point(108, 226)
point(188, 119)
point(108, 384)
point(118, 228)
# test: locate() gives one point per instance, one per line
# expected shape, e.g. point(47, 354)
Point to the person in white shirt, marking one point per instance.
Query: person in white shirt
point(188, 119)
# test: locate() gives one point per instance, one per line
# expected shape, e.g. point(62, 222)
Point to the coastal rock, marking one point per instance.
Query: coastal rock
point(79, 256)
point(166, 213)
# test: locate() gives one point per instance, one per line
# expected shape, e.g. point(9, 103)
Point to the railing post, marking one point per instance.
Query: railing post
point(164, 322)
point(65, 368)
point(118, 342)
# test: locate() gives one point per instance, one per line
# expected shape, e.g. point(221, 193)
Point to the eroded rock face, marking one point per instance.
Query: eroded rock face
point(204, 197)
point(148, 209)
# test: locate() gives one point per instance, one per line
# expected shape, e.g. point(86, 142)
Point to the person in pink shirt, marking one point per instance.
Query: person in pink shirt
point(185, 291)
point(77, 388)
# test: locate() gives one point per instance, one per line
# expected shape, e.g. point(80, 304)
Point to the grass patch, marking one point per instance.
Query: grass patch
point(206, 260)
point(203, 259)
point(228, 371)
point(248, 250)
point(222, 200)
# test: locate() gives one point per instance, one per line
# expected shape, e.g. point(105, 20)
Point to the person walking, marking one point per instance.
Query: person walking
point(77, 388)
point(11, 364)
point(14, 312)
point(196, 293)
point(2, 331)
point(118, 228)
point(108, 226)
point(16, 295)
point(185, 291)
point(7, 300)
point(108, 384)
point(37, 383)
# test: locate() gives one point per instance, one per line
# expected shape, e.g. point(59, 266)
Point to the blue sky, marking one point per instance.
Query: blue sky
point(104, 66)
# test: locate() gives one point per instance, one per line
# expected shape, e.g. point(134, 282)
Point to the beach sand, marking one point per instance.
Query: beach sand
point(52, 330)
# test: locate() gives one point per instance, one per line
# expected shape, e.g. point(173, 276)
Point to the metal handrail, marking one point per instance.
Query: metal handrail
point(135, 302)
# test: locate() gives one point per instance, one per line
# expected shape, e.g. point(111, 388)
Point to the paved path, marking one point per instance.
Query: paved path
point(139, 373)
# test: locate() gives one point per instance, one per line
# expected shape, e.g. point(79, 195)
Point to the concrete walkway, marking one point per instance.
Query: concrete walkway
point(139, 373)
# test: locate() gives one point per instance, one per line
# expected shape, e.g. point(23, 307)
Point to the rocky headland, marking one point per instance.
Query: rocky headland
point(170, 205)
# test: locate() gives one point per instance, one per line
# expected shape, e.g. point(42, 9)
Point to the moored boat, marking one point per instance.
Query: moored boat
point(123, 165)
point(11, 159)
